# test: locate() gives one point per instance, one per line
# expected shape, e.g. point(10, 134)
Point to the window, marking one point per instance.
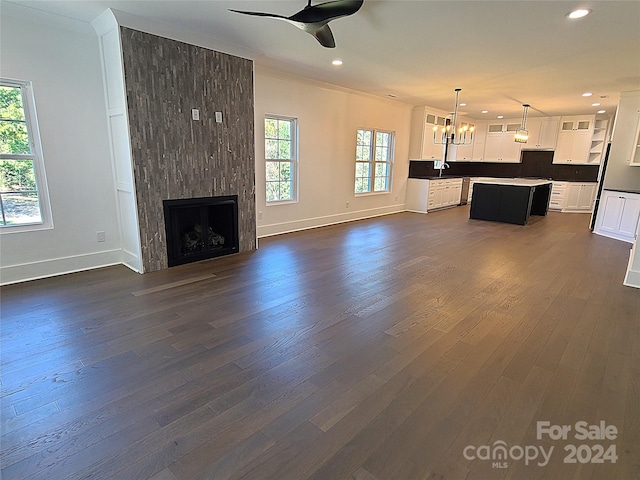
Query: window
point(374, 157)
point(21, 167)
point(280, 151)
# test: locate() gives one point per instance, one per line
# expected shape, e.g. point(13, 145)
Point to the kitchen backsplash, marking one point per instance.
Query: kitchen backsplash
point(535, 164)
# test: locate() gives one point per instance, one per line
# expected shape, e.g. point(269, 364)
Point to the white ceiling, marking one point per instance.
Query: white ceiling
point(501, 53)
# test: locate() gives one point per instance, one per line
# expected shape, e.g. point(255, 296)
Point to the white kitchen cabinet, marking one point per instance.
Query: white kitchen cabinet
point(573, 196)
point(499, 145)
point(417, 195)
point(618, 215)
point(580, 197)
point(454, 190)
point(543, 133)
point(444, 193)
point(574, 140)
point(426, 195)
point(436, 195)
point(558, 195)
point(421, 145)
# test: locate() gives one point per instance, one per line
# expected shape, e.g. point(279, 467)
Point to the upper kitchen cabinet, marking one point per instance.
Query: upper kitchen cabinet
point(574, 140)
point(421, 144)
point(543, 133)
point(500, 145)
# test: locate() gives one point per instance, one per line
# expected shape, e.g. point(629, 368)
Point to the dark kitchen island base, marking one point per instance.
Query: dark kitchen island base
point(510, 201)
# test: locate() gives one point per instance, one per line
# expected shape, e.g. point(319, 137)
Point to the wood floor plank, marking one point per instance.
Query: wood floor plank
point(371, 350)
point(178, 283)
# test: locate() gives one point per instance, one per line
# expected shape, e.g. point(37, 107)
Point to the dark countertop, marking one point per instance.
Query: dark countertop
point(631, 190)
point(436, 177)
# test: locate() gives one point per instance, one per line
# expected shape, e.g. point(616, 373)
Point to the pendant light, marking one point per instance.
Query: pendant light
point(522, 135)
point(450, 134)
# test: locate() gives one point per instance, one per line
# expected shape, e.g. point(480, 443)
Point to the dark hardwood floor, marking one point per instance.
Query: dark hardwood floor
point(379, 349)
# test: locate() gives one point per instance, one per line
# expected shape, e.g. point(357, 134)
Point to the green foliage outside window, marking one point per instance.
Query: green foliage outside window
point(280, 157)
point(19, 202)
point(373, 161)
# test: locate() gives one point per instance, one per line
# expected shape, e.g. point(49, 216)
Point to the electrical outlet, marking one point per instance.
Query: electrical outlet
point(102, 237)
point(259, 215)
point(347, 205)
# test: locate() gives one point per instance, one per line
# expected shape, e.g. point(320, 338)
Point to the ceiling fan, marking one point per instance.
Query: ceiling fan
point(314, 19)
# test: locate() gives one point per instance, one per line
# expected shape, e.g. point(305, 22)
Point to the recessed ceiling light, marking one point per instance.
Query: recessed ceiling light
point(587, 94)
point(337, 61)
point(579, 13)
point(485, 111)
point(500, 116)
point(595, 104)
point(463, 104)
point(392, 95)
point(602, 111)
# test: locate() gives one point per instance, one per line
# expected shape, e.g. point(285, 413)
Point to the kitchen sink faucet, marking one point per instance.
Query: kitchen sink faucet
point(443, 165)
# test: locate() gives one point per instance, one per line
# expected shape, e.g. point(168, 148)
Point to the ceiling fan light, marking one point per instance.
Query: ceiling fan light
point(579, 13)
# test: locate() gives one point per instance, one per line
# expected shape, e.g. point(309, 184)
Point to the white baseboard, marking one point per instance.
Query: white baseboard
point(59, 266)
point(632, 278)
point(132, 261)
point(315, 222)
point(612, 235)
point(575, 210)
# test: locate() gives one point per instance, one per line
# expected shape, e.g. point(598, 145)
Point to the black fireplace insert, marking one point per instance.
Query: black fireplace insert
point(201, 228)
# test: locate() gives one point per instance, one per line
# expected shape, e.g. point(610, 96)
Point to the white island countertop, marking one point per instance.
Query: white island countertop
point(523, 182)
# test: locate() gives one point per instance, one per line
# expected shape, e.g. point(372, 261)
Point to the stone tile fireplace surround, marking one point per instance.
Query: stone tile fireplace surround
point(175, 157)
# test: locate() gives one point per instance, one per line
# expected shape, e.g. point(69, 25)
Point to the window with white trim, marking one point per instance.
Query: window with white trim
point(281, 157)
point(374, 159)
point(22, 186)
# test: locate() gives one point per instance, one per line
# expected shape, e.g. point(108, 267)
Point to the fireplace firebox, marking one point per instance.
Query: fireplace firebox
point(201, 228)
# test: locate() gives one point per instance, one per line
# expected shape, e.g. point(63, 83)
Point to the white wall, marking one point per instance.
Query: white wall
point(619, 174)
point(328, 118)
point(64, 65)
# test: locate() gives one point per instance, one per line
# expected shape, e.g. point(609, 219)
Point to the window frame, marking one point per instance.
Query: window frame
point(36, 156)
point(293, 161)
point(373, 162)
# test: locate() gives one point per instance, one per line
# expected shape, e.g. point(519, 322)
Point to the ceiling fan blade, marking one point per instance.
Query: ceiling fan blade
point(324, 36)
point(325, 12)
point(259, 14)
point(314, 19)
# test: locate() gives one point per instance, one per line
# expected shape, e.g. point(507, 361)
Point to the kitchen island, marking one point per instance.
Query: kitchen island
point(510, 200)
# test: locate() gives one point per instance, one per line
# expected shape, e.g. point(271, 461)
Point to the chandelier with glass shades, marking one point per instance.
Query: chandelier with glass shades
point(450, 133)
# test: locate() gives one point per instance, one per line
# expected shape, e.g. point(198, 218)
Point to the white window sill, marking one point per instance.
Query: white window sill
point(366, 194)
point(32, 227)
point(281, 202)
